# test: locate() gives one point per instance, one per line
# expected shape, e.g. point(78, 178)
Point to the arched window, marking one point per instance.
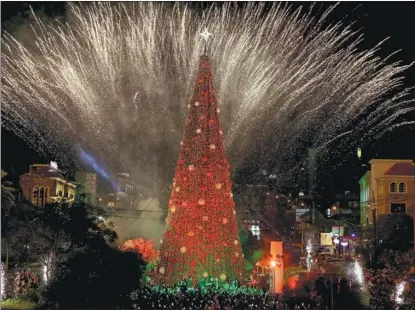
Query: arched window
point(402, 187)
point(393, 187)
point(42, 196)
point(36, 192)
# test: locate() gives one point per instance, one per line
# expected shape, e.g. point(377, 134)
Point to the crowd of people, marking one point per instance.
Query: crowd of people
point(156, 297)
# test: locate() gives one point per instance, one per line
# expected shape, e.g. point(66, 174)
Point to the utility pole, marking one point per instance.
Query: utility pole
point(313, 211)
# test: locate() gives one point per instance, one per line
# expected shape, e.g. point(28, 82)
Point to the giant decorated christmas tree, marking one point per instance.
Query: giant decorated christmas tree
point(201, 239)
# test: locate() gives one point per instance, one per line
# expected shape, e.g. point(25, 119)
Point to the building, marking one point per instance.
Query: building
point(45, 184)
point(86, 185)
point(126, 195)
point(388, 187)
point(345, 206)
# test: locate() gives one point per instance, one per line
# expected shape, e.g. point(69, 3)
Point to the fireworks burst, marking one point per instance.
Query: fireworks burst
point(115, 80)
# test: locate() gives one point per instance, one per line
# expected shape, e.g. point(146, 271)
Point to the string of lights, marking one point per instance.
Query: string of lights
point(201, 237)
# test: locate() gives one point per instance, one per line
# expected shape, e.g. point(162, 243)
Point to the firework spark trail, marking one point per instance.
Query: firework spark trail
point(115, 79)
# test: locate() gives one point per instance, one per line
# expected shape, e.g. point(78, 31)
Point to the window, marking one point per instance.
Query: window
point(402, 187)
point(42, 196)
point(398, 208)
point(36, 192)
point(393, 188)
point(111, 204)
point(255, 230)
point(353, 204)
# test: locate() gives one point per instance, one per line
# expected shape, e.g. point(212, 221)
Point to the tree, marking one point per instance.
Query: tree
point(7, 195)
point(50, 234)
point(13, 235)
point(396, 232)
point(252, 248)
point(143, 247)
point(7, 203)
point(201, 238)
point(389, 271)
point(99, 277)
point(82, 257)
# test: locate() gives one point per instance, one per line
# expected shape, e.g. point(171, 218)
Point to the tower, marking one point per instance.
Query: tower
point(201, 239)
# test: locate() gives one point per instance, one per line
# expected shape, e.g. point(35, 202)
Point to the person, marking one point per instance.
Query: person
point(209, 307)
point(216, 302)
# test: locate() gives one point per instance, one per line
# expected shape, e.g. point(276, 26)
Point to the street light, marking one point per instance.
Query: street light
point(273, 264)
point(359, 153)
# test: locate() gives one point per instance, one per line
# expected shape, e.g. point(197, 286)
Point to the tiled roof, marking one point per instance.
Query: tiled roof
point(401, 169)
point(48, 172)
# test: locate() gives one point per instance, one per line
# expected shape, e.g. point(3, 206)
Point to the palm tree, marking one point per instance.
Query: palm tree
point(7, 195)
point(7, 203)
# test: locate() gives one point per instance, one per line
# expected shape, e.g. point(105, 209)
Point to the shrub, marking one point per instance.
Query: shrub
point(16, 304)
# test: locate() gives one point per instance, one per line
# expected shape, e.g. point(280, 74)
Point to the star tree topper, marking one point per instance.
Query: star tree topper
point(205, 35)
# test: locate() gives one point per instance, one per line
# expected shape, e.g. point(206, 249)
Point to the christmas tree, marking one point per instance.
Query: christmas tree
point(201, 239)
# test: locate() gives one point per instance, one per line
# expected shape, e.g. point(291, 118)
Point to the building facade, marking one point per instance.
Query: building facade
point(45, 184)
point(345, 206)
point(389, 187)
point(86, 185)
point(126, 194)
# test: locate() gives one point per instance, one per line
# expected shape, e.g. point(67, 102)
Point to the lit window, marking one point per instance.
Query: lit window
point(393, 187)
point(255, 230)
point(402, 187)
point(111, 204)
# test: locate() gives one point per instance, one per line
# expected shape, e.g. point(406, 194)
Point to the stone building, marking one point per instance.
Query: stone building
point(44, 184)
point(387, 188)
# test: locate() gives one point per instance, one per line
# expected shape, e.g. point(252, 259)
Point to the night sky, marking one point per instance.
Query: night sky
point(378, 20)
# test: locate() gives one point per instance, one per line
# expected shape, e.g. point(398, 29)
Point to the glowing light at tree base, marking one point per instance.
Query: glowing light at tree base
point(400, 287)
point(3, 282)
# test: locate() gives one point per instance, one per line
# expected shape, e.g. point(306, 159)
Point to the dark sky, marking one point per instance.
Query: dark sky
point(377, 20)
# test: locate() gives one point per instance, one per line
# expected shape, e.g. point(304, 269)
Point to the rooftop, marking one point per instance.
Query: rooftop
point(48, 171)
point(407, 169)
